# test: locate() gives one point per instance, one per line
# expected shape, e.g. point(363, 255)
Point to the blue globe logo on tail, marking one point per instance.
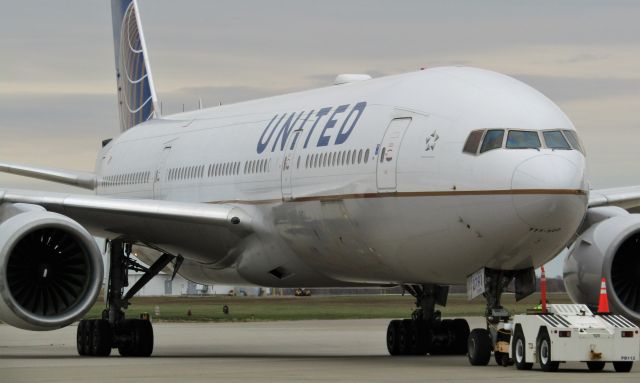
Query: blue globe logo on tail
point(136, 94)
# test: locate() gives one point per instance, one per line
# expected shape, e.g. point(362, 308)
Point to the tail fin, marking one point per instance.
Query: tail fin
point(136, 95)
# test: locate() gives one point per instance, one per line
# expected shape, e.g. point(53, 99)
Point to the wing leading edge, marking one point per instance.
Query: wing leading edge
point(625, 197)
point(199, 231)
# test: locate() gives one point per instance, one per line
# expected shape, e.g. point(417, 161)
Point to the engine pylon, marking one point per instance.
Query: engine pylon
point(603, 304)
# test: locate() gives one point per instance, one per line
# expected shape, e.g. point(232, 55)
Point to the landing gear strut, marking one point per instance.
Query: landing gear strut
point(495, 337)
point(426, 333)
point(132, 337)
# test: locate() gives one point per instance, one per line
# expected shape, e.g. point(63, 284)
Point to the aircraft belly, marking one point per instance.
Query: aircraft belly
point(439, 239)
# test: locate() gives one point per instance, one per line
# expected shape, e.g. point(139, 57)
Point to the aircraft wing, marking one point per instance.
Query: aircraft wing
point(195, 230)
point(624, 197)
point(80, 179)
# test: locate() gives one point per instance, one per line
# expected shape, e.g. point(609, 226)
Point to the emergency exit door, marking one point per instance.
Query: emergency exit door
point(388, 155)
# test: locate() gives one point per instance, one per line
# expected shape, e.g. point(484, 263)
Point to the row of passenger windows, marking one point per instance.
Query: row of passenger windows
point(343, 158)
point(316, 160)
point(480, 141)
point(222, 169)
point(126, 179)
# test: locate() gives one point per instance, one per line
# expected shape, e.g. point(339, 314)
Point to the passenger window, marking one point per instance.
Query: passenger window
point(473, 141)
point(366, 156)
point(298, 164)
point(348, 157)
point(382, 155)
point(353, 157)
point(555, 140)
point(521, 139)
point(573, 140)
point(492, 140)
point(359, 156)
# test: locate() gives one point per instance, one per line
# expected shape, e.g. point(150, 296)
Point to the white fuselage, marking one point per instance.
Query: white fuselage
point(366, 182)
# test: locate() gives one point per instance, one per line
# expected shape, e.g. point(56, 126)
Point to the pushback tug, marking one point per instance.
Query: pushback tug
point(555, 334)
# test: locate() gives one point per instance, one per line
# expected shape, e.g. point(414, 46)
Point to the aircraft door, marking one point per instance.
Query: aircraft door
point(159, 170)
point(289, 164)
point(389, 151)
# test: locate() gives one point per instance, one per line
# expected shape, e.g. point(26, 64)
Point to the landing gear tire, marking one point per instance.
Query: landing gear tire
point(479, 347)
point(393, 338)
point(595, 366)
point(519, 351)
point(140, 338)
point(461, 333)
point(544, 353)
point(82, 338)
point(502, 359)
point(94, 338)
point(622, 366)
point(409, 337)
point(423, 337)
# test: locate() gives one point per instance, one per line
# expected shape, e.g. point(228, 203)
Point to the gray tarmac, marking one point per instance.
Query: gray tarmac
point(302, 351)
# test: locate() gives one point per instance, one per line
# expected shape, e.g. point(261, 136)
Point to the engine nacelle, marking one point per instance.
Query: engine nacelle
point(51, 268)
point(609, 249)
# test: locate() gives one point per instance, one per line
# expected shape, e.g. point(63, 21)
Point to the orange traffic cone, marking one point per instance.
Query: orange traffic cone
point(543, 290)
point(603, 304)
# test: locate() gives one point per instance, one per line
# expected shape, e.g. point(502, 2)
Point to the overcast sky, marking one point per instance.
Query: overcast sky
point(57, 76)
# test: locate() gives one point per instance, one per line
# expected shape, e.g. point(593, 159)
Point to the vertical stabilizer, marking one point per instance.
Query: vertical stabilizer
point(136, 94)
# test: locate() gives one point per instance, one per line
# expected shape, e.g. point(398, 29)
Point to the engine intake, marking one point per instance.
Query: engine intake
point(609, 249)
point(50, 268)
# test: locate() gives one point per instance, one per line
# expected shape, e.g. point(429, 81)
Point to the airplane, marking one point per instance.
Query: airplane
point(437, 177)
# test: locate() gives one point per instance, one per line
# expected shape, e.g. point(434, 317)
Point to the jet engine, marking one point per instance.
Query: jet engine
point(610, 249)
point(51, 268)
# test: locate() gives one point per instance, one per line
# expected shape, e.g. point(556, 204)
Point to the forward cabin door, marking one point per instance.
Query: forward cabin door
point(388, 158)
point(289, 164)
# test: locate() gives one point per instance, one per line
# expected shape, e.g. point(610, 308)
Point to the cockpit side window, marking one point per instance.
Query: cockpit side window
point(492, 140)
point(572, 137)
point(473, 141)
point(555, 140)
point(523, 139)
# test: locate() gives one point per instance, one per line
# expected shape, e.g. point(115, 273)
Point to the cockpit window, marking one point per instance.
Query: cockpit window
point(523, 139)
point(473, 141)
point(572, 137)
point(555, 140)
point(492, 140)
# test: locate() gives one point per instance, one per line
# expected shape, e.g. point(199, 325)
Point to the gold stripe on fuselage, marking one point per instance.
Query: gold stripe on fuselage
point(449, 193)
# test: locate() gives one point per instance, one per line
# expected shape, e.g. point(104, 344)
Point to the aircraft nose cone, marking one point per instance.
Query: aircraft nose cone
point(548, 192)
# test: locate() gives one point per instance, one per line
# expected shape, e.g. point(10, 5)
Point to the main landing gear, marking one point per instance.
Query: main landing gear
point(426, 333)
point(132, 337)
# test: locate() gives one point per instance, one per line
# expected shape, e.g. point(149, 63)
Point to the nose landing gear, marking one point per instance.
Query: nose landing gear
point(496, 336)
point(426, 333)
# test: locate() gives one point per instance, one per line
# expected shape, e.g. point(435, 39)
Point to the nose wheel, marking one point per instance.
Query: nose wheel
point(495, 337)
